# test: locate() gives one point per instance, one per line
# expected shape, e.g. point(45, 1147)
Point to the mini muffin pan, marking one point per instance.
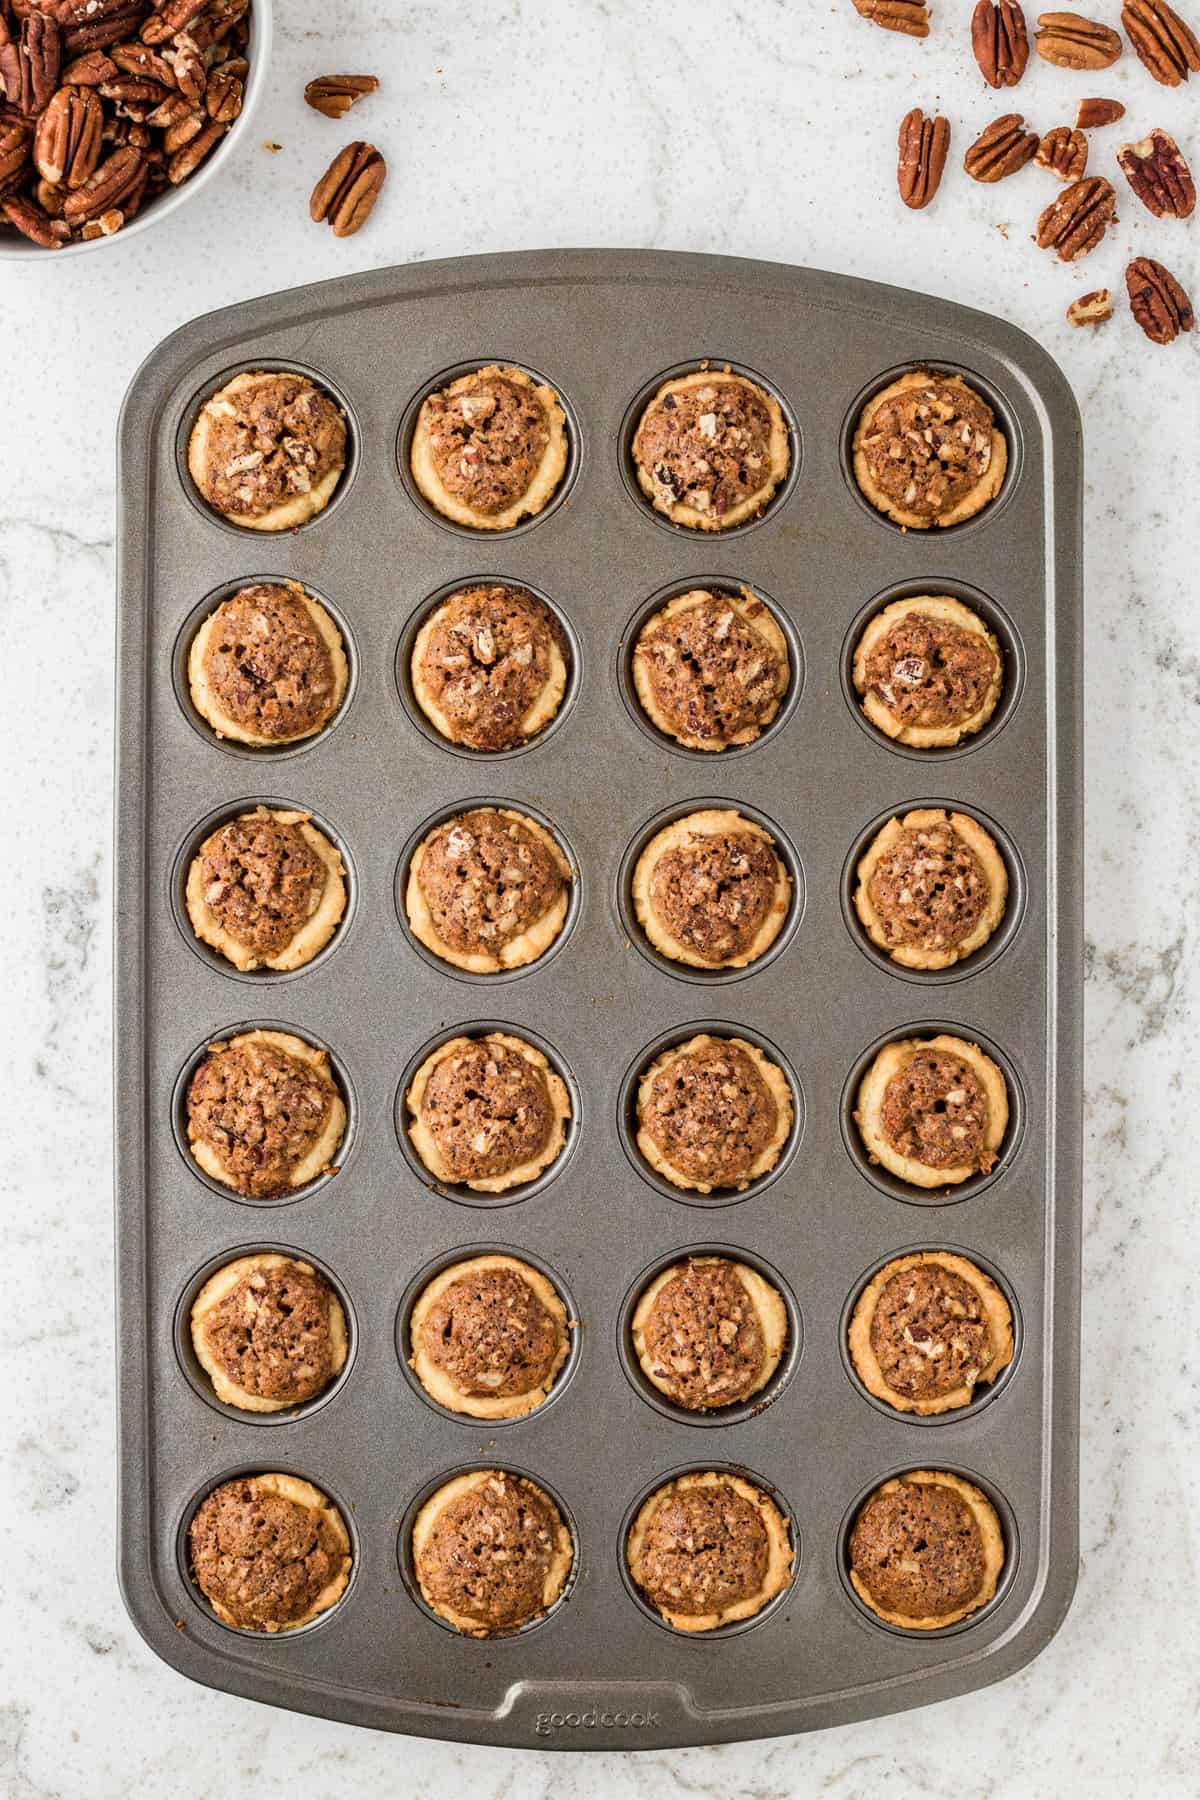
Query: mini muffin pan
point(604, 329)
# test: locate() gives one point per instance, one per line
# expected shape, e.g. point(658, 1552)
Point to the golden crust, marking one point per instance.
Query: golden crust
point(972, 833)
point(527, 946)
point(764, 1299)
point(996, 1310)
point(546, 476)
point(290, 513)
point(216, 1288)
point(973, 501)
point(537, 716)
point(986, 1518)
point(320, 1157)
point(890, 1061)
point(944, 608)
point(556, 1575)
point(779, 455)
point(312, 936)
point(439, 1386)
point(778, 1573)
point(426, 1144)
point(761, 620)
point(207, 703)
point(679, 834)
point(776, 1083)
point(301, 1493)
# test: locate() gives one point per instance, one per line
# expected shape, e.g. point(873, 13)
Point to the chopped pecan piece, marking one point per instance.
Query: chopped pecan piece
point(924, 144)
point(1156, 170)
point(1064, 152)
point(334, 95)
point(1091, 309)
point(1090, 114)
point(188, 66)
point(187, 160)
point(1167, 46)
point(175, 15)
point(1070, 41)
point(14, 152)
point(1074, 223)
point(1159, 303)
point(1001, 149)
point(349, 188)
point(908, 16)
point(114, 183)
point(66, 145)
point(1000, 41)
point(223, 95)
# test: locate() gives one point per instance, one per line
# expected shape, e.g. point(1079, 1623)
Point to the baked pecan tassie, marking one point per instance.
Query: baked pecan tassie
point(268, 449)
point(709, 1549)
point(489, 666)
point(713, 1113)
point(928, 451)
point(268, 666)
point(932, 888)
point(926, 1550)
point(710, 449)
point(489, 1335)
point(488, 890)
point(490, 449)
point(488, 1112)
point(929, 671)
point(711, 891)
point(709, 1332)
point(269, 1332)
point(264, 1114)
point(269, 1552)
point(266, 890)
point(929, 1329)
point(711, 669)
point(490, 1552)
point(933, 1111)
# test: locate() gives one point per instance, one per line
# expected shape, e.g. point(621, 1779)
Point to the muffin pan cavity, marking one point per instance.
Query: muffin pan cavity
point(602, 996)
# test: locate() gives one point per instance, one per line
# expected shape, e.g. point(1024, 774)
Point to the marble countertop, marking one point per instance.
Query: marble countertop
point(763, 129)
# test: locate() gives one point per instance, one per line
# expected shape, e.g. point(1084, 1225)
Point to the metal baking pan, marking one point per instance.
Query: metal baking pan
point(603, 327)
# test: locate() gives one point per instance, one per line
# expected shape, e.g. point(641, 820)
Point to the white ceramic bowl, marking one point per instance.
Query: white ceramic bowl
point(258, 54)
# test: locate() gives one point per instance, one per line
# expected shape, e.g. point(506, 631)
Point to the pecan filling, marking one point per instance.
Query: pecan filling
point(710, 1114)
point(704, 1338)
point(930, 672)
point(491, 1335)
point(486, 880)
point(706, 447)
point(264, 1558)
point(713, 676)
point(269, 442)
point(926, 447)
point(930, 1333)
point(488, 1110)
point(929, 889)
point(271, 1334)
point(489, 1553)
point(268, 665)
point(935, 1111)
point(262, 881)
point(715, 894)
point(261, 1110)
point(705, 1549)
point(486, 660)
point(918, 1551)
point(487, 441)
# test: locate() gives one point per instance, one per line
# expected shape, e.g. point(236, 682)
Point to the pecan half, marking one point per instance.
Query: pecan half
point(1000, 42)
point(1090, 114)
point(175, 16)
point(1074, 223)
point(1167, 46)
point(908, 16)
point(33, 223)
point(924, 144)
point(186, 161)
point(1064, 152)
point(349, 188)
point(1090, 309)
point(1001, 149)
point(140, 59)
point(89, 70)
point(223, 95)
point(1070, 41)
point(113, 183)
point(95, 24)
point(1156, 170)
point(66, 145)
point(1159, 303)
point(29, 67)
point(188, 66)
point(14, 153)
point(334, 95)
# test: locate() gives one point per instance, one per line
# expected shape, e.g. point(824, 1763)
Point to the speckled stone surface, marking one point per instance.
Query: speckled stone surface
point(763, 129)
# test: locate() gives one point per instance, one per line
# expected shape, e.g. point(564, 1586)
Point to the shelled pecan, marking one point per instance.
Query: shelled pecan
point(1001, 149)
point(334, 95)
point(924, 144)
point(908, 16)
point(1064, 152)
point(349, 188)
point(105, 103)
point(1091, 114)
point(1157, 171)
point(1163, 41)
point(1000, 41)
point(1090, 309)
point(1074, 223)
point(1070, 41)
point(1159, 303)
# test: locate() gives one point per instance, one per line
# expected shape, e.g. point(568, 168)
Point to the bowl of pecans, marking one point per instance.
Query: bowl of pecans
point(113, 112)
